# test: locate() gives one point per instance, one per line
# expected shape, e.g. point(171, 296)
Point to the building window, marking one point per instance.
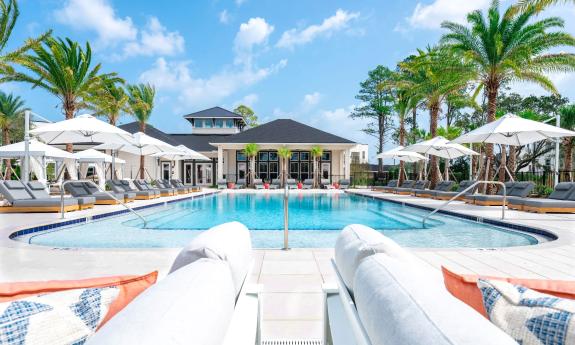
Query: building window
point(166, 170)
point(208, 123)
point(294, 156)
point(240, 156)
point(219, 123)
point(273, 170)
point(263, 156)
point(230, 123)
point(198, 123)
point(326, 156)
point(263, 170)
point(273, 156)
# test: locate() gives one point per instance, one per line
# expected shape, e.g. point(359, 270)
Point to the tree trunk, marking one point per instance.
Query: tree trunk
point(492, 89)
point(7, 162)
point(381, 139)
point(511, 161)
point(414, 119)
point(142, 157)
point(433, 119)
point(503, 164)
point(568, 159)
point(402, 143)
point(446, 170)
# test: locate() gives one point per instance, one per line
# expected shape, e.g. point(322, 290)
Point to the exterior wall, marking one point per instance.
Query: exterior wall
point(132, 167)
point(360, 154)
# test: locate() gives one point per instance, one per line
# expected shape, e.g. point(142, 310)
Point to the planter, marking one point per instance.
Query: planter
point(300, 185)
point(231, 185)
point(266, 186)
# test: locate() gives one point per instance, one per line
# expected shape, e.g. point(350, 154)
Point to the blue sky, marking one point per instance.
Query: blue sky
point(295, 59)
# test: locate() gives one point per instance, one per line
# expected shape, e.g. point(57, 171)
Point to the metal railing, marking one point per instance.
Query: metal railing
point(286, 217)
point(62, 190)
point(471, 187)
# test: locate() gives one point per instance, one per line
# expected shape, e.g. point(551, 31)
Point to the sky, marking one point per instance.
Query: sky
point(286, 59)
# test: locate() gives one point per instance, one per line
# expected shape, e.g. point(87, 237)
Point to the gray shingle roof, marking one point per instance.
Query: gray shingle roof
point(198, 142)
point(134, 127)
point(214, 112)
point(283, 131)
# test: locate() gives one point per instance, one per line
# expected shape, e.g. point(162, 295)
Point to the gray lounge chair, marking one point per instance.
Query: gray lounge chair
point(562, 200)
point(443, 186)
point(404, 184)
point(344, 184)
point(258, 183)
point(38, 191)
point(22, 200)
point(164, 185)
point(95, 191)
point(276, 184)
point(419, 185)
point(387, 188)
point(513, 189)
point(144, 185)
point(176, 183)
point(326, 184)
point(123, 186)
point(222, 184)
point(440, 195)
point(80, 189)
point(291, 183)
point(241, 183)
point(307, 183)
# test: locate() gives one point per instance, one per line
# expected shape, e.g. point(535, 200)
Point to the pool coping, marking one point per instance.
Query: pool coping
point(38, 228)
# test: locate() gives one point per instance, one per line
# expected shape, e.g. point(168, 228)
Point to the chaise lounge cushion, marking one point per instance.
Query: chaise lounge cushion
point(129, 288)
point(228, 242)
point(14, 190)
point(464, 287)
point(541, 203)
point(52, 202)
point(193, 305)
point(402, 303)
point(356, 242)
point(38, 191)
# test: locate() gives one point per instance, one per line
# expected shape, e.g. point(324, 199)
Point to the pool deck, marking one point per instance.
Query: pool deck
point(292, 280)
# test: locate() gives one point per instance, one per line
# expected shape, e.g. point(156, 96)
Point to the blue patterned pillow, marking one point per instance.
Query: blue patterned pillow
point(67, 317)
point(529, 317)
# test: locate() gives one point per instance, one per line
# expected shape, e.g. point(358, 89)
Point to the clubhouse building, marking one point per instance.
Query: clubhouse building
point(221, 135)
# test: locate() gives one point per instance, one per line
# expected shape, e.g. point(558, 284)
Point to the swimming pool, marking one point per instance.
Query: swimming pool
point(315, 220)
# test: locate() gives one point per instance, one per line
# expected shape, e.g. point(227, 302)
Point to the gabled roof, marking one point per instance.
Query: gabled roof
point(134, 127)
point(283, 131)
point(198, 142)
point(218, 112)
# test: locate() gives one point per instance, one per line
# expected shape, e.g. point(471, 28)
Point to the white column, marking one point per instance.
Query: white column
point(347, 162)
point(220, 163)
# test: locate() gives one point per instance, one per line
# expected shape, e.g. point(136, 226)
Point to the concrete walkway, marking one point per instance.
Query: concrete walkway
point(292, 280)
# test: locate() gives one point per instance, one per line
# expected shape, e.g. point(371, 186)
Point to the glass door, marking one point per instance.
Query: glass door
point(188, 173)
point(204, 174)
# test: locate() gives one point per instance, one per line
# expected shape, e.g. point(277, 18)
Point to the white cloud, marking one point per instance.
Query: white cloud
point(240, 2)
point(224, 17)
point(196, 91)
point(254, 32)
point(337, 22)
point(99, 16)
point(155, 39)
point(248, 100)
point(430, 16)
point(310, 100)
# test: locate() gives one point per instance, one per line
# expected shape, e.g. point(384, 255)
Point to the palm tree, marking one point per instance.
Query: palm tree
point(251, 151)
point(141, 100)
point(506, 48)
point(568, 122)
point(110, 101)
point(285, 154)
point(64, 69)
point(537, 5)
point(316, 153)
point(435, 74)
point(11, 115)
point(8, 16)
point(449, 133)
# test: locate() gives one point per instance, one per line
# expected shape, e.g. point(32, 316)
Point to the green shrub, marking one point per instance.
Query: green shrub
point(543, 190)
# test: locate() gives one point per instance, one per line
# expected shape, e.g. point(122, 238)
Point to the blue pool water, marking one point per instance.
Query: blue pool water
point(315, 221)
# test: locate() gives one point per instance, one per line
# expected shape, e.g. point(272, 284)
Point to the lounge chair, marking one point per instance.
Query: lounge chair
point(325, 184)
point(126, 196)
point(166, 186)
point(176, 183)
point(22, 200)
point(443, 186)
point(144, 185)
point(344, 184)
point(513, 190)
point(417, 186)
point(241, 183)
point(404, 184)
point(439, 195)
point(38, 191)
point(307, 183)
point(222, 184)
point(123, 186)
point(276, 184)
point(207, 298)
point(387, 188)
point(259, 183)
point(384, 294)
point(562, 200)
point(80, 189)
point(292, 183)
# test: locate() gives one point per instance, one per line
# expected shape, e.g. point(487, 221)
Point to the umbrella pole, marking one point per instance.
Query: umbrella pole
point(113, 165)
point(557, 123)
point(26, 165)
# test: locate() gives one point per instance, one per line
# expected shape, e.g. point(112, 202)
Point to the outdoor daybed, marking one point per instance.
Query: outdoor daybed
point(405, 184)
point(39, 191)
point(440, 195)
point(80, 189)
point(177, 183)
point(443, 186)
point(513, 189)
point(417, 186)
point(386, 295)
point(123, 186)
point(391, 184)
point(21, 200)
point(562, 200)
point(144, 185)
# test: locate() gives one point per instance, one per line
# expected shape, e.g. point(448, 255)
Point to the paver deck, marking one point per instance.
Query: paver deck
point(292, 280)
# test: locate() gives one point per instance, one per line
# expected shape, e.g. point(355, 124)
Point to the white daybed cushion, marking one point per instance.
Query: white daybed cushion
point(193, 305)
point(356, 242)
point(230, 242)
point(402, 303)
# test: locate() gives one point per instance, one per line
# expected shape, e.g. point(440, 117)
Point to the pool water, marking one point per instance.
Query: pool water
point(314, 221)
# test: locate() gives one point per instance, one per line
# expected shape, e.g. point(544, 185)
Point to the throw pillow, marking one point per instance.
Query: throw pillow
point(528, 316)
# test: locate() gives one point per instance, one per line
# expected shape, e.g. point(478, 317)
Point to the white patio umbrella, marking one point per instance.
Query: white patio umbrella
point(181, 153)
point(98, 160)
point(441, 147)
point(513, 130)
point(399, 154)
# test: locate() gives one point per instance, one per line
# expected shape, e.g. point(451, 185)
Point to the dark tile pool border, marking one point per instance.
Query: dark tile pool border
point(32, 230)
point(518, 227)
